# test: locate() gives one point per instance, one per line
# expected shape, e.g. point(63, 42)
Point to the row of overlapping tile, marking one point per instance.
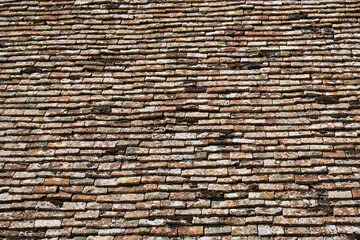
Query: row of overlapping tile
point(191, 119)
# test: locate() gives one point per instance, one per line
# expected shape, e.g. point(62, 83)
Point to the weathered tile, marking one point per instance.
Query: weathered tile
point(179, 119)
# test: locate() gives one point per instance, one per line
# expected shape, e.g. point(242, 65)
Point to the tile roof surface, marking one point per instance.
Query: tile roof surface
point(179, 119)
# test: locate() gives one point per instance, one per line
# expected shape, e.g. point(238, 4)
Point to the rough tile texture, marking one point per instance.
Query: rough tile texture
point(179, 119)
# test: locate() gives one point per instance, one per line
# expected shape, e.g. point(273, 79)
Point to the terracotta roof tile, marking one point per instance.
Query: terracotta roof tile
point(196, 119)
